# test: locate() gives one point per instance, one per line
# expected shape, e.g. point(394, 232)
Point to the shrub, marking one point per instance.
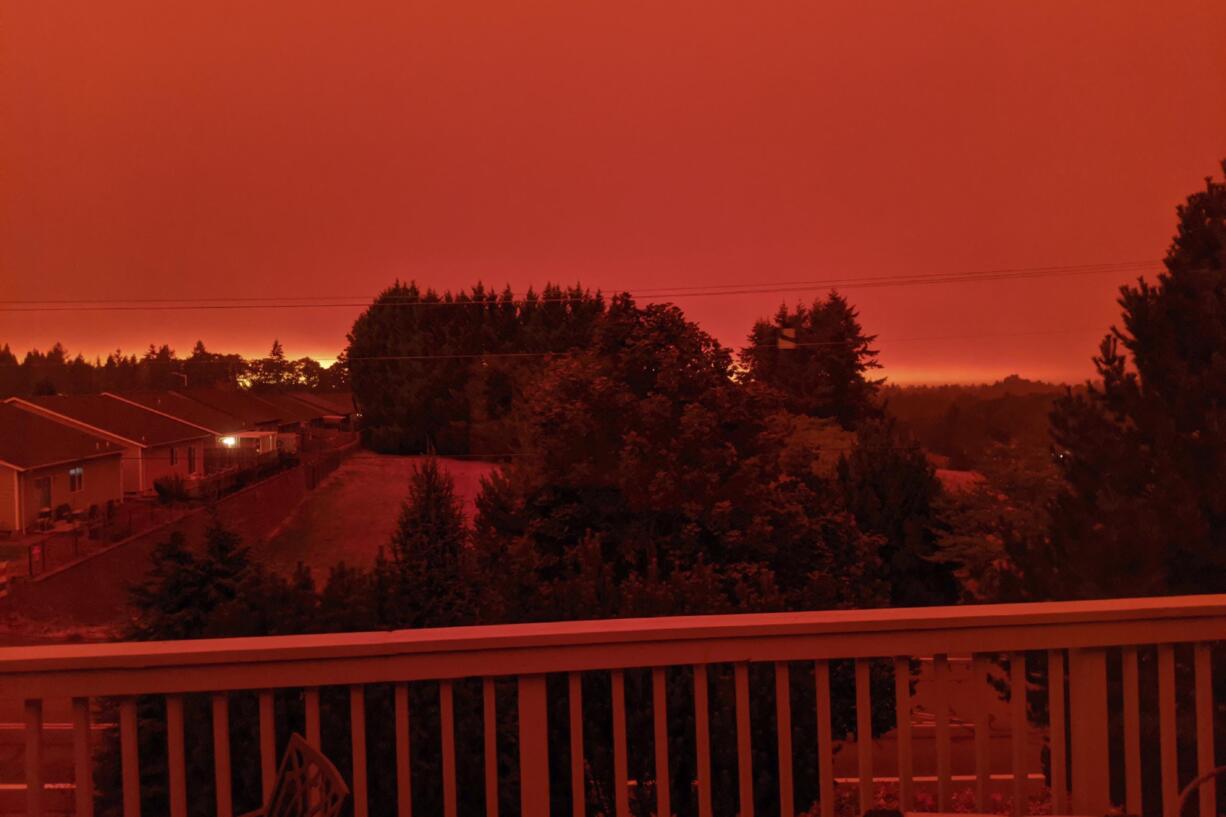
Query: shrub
point(172, 488)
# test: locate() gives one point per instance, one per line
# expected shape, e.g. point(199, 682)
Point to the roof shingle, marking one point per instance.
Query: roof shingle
point(29, 440)
point(123, 419)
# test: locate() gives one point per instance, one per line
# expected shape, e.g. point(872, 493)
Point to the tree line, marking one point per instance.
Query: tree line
point(56, 371)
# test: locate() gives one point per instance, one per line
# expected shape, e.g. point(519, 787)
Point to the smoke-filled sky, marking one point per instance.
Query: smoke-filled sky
point(286, 150)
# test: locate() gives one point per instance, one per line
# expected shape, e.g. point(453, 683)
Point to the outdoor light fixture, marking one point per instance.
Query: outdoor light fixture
point(229, 442)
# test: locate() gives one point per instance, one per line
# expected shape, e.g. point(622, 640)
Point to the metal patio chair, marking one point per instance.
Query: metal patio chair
point(1192, 787)
point(308, 785)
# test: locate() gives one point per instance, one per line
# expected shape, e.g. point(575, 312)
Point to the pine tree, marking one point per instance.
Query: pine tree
point(818, 359)
point(426, 579)
point(1143, 453)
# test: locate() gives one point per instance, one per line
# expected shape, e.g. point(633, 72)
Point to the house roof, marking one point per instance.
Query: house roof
point(184, 409)
point(120, 418)
point(247, 407)
point(291, 409)
point(333, 402)
point(30, 440)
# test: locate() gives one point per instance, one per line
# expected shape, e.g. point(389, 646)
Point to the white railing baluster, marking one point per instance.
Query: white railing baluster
point(447, 727)
point(621, 785)
point(1205, 762)
point(221, 754)
point(902, 711)
point(268, 743)
point(744, 738)
point(1089, 732)
point(489, 717)
point(404, 777)
point(357, 736)
point(34, 757)
point(314, 736)
point(83, 762)
point(983, 730)
point(1018, 727)
point(534, 745)
point(1132, 730)
point(825, 738)
point(659, 716)
point(702, 739)
point(1057, 727)
point(864, 734)
point(176, 765)
point(783, 725)
point(129, 754)
point(940, 697)
point(1166, 728)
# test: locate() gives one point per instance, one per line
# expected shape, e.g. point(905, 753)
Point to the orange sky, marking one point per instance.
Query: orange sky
point(176, 150)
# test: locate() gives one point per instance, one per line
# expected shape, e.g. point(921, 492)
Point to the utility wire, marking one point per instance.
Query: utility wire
point(708, 290)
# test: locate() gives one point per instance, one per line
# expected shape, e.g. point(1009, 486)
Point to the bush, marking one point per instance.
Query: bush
point(170, 489)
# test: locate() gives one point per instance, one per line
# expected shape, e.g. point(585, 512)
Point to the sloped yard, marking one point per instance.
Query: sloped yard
point(354, 511)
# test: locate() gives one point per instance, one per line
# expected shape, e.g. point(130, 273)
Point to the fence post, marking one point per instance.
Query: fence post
point(533, 746)
point(1091, 787)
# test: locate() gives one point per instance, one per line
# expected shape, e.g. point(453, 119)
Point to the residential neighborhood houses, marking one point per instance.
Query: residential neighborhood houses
point(46, 464)
point(155, 446)
point(65, 457)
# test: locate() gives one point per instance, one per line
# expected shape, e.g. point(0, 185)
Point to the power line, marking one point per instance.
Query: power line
point(810, 344)
point(707, 290)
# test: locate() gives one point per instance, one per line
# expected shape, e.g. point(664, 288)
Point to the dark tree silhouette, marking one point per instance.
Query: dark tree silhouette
point(818, 359)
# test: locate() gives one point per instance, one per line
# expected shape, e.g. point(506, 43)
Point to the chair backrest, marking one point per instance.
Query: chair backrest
point(1191, 788)
point(308, 785)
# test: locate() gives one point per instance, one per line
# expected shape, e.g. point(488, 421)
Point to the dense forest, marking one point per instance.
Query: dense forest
point(58, 372)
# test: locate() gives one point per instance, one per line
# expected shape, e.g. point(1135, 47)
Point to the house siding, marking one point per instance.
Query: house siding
point(157, 461)
point(102, 482)
point(8, 498)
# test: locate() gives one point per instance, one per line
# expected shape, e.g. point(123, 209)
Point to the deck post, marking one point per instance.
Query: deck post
point(533, 745)
point(1088, 714)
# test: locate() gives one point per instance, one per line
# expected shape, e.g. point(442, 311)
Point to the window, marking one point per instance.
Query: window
point(76, 479)
point(174, 456)
point(191, 459)
point(42, 489)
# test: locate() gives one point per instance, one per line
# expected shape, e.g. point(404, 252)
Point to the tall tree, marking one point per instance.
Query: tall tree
point(818, 359)
point(1142, 454)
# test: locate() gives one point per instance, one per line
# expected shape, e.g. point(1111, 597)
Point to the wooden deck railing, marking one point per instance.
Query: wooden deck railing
point(1074, 639)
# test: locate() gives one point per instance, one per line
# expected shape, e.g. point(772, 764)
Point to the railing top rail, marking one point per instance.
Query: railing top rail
point(962, 620)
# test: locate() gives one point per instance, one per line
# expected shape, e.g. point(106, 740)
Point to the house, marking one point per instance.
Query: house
point(338, 407)
point(229, 435)
point(260, 420)
point(155, 446)
point(295, 418)
point(48, 466)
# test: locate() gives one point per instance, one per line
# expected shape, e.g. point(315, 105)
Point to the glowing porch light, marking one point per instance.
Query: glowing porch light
point(229, 442)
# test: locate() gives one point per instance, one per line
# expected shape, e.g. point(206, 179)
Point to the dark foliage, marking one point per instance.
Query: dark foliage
point(442, 372)
point(817, 358)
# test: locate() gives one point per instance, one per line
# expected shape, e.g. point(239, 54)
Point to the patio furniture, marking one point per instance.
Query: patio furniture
point(307, 785)
point(1192, 787)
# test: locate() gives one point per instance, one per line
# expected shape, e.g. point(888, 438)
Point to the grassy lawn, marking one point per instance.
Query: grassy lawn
point(354, 511)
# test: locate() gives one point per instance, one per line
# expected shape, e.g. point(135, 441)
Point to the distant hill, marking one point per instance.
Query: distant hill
point(961, 422)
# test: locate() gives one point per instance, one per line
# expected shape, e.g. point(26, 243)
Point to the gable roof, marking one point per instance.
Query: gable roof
point(247, 407)
point(111, 415)
point(333, 402)
point(184, 410)
point(29, 440)
point(291, 409)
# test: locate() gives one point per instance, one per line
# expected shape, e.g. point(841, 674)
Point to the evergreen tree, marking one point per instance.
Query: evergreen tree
point(818, 359)
point(1142, 454)
point(426, 581)
point(892, 489)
